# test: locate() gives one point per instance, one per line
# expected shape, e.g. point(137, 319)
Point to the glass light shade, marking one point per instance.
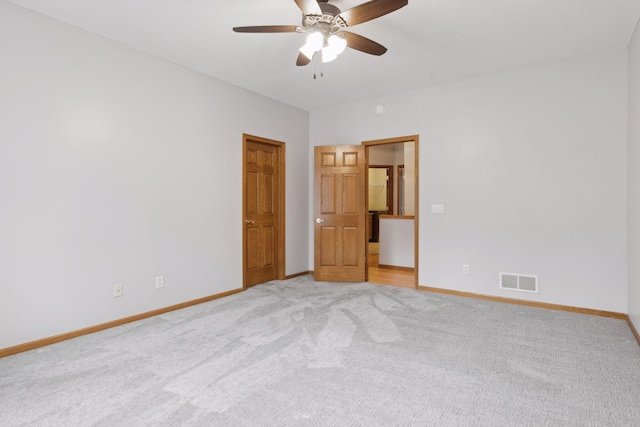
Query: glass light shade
point(338, 44)
point(315, 41)
point(328, 54)
point(307, 51)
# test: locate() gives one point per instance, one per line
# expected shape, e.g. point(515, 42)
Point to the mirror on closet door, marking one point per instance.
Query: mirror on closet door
point(381, 189)
point(391, 179)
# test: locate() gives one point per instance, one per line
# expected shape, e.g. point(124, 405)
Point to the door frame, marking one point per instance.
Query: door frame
point(400, 175)
point(280, 203)
point(416, 190)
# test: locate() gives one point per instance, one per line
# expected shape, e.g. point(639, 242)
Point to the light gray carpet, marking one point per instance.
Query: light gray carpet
point(321, 354)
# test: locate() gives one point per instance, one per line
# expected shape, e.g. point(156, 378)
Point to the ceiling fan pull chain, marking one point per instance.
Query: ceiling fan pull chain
point(319, 69)
point(315, 68)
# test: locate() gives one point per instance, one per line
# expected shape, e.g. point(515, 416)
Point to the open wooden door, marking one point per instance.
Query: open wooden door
point(340, 227)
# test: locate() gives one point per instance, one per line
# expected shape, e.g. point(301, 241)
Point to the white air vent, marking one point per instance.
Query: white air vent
point(519, 282)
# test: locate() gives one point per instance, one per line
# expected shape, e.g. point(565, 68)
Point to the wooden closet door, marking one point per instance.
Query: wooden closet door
point(261, 212)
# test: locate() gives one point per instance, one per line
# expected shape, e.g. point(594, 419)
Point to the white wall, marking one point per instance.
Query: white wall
point(382, 155)
point(634, 179)
point(531, 167)
point(397, 242)
point(116, 167)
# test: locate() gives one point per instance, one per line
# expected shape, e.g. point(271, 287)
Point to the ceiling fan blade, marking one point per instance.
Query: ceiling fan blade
point(267, 29)
point(302, 60)
point(309, 7)
point(363, 44)
point(371, 10)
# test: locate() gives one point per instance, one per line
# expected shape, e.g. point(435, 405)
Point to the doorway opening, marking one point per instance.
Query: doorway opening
point(263, 210)
point(392, 226)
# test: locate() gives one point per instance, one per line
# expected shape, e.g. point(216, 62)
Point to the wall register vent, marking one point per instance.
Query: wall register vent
point(519, 282)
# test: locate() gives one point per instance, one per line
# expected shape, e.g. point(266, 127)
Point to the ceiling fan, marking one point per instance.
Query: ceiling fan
point(327, 27)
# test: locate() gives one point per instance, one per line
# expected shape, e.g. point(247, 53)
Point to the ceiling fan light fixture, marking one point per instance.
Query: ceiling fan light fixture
point(315, 41)
point(307, 51)
point(326, 27)
point(337, 44)
point(328, 54)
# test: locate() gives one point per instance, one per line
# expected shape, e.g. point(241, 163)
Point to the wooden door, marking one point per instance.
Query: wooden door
point(263, 211)
point(340, 214)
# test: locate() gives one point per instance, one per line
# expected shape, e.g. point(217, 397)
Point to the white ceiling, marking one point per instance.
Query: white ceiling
point(429, 41)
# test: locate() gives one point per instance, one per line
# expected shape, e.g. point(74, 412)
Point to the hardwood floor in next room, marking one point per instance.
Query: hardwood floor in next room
point(386, 276)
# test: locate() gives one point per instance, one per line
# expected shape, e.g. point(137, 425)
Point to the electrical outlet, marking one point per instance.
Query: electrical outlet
point(159, 282)
point(117, 290)
point(465, 268)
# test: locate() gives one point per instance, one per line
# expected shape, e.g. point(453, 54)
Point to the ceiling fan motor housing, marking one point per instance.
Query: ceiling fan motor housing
point(329, 9)
point(330, 17)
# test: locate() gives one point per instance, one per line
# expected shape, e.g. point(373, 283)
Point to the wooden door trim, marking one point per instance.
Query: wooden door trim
point(280, 203)
point(416, 189)
point(400, 168)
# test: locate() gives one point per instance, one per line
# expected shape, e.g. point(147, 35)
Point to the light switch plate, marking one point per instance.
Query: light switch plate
point(437, 209)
